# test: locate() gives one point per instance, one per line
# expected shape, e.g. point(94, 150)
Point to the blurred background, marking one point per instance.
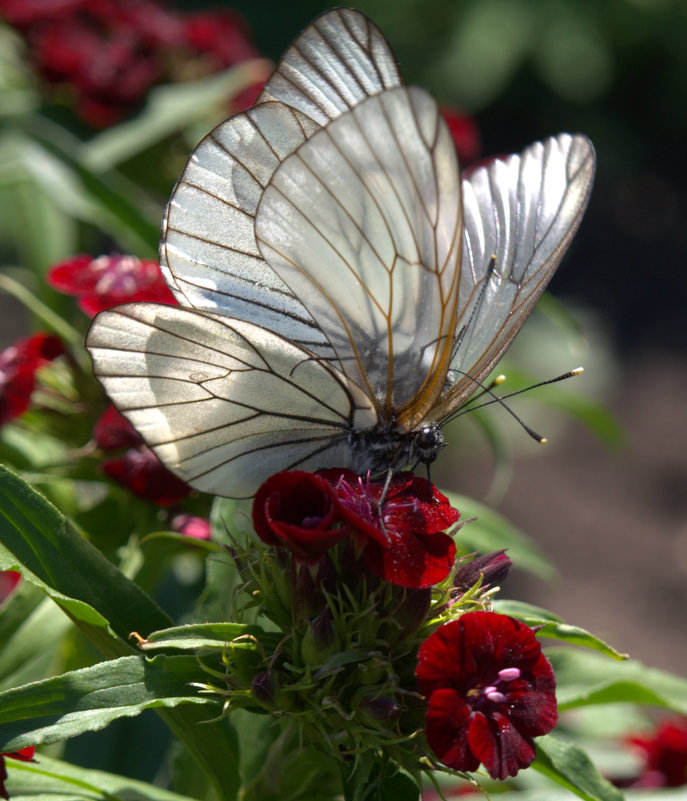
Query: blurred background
point(607, 502)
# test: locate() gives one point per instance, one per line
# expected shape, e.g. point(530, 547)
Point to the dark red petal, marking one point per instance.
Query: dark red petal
point(113, 432)
point(447, 726)
point(535, 712)
point(23, 754)
point(498, 745)
point(15, 395)
point(142, 473)
point(411, 560)
point(298, 510)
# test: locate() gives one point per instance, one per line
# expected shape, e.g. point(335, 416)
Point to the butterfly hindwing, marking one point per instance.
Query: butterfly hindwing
point(223, 403)
point(520, 214)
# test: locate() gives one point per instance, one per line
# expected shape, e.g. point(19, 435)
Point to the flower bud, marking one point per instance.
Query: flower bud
point(377, 711)
point(493, 567)
point(320, 639)
point(264, 688)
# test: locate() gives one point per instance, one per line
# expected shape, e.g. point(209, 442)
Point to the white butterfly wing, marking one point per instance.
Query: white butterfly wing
point(519, 216)
point(335, 63)
point(223, 403)
point(363, 223)
point(208, 253)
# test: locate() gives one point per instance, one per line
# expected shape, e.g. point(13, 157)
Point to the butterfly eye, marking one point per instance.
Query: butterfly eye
point(427, 443)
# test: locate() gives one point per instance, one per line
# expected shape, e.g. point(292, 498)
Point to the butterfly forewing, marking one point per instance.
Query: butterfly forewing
point(519, 217)
point(223, 403)
point(209, 254)
point(336, 62)
point(363, 224)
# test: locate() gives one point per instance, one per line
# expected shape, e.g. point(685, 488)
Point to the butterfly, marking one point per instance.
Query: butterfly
point(342, 291)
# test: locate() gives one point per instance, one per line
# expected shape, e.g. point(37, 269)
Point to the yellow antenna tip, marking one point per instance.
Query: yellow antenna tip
point(499, 379)
point(577, 371)
point(543, 441)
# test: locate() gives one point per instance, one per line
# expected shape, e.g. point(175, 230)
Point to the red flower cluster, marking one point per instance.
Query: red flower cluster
point(24, 755)
point(18, 366)
point(138, 469)
point(489, 691)
point(110, 280)
point(108, 53)
point(665, 754)
point(401, 525)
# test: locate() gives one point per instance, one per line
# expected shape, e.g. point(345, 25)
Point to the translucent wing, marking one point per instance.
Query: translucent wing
point(336, 62)
point(223, 403)
point(208, 252)
point(519, 217)
point(363, 223)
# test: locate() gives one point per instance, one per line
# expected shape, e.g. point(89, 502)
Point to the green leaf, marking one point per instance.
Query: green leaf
point(50, 554)
point(31, 630)
point(59, 781)
point(89, 699)
point(585, 678)
point(569, 766)
point(209, 635)
point(109, 202)
point(43, 546)
point(42, 312)
point(169, 108)
point(491, 532)
point(550, 625)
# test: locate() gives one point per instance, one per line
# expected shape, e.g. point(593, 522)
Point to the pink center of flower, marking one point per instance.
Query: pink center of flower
point(120, 275)
point(363, 501)
point(481, 696)
point(310, 522)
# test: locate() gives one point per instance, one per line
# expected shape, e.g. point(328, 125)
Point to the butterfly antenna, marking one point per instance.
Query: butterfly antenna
point(487, 390)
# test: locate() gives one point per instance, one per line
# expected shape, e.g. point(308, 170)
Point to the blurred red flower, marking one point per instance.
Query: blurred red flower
point(665, 755)
point(18, 366)
point(198, 528)
point(465, 134)
point(138, 469)
point(110, 280)
point(489, 691)
point(8, 581)
point(24, 755)
point(109, 53)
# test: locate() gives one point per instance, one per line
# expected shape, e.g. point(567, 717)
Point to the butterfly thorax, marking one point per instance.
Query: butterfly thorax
point(385, 447)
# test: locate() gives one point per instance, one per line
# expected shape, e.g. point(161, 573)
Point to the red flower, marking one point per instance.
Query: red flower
point(18, 366)
point(665, 753)
point(141, 472)
point(465, 134)
point(113, 432)
point(490, 690)
point(404, 522)
point(221, 35)
point(110, 280)
point(8, 581)
point(299, 511)
point(24, 755)
point(138, 470)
